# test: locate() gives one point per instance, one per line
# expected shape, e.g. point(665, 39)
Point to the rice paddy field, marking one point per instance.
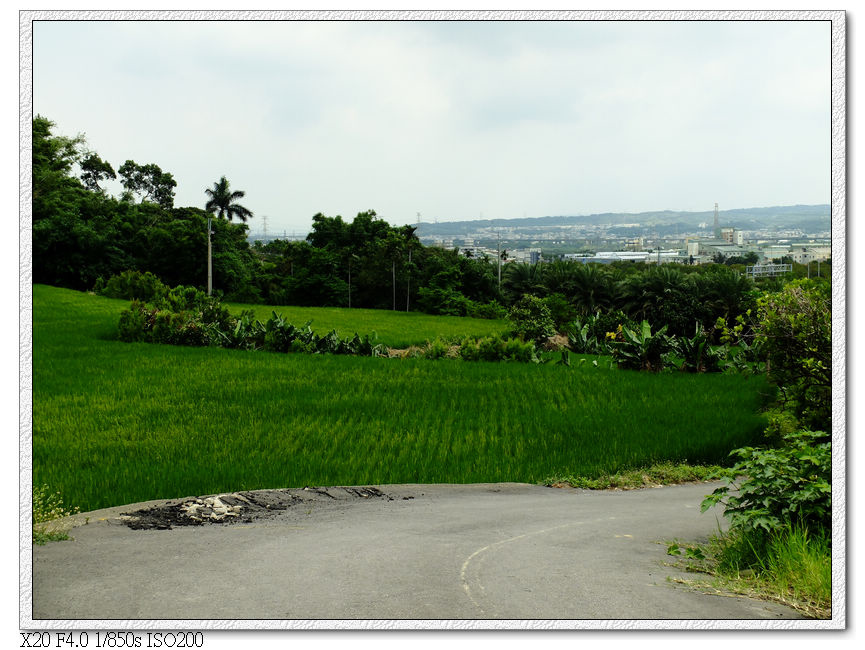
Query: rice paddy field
point(116, 423)
point(396, 329)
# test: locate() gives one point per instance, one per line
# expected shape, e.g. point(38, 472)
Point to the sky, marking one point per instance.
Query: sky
point(451, 119)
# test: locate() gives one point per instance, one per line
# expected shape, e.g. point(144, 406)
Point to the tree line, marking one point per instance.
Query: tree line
point(81, 234)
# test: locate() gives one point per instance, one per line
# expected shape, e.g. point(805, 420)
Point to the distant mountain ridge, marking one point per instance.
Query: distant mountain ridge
point(808, 217)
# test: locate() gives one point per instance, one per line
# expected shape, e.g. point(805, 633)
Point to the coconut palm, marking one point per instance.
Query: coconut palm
point(222, 202)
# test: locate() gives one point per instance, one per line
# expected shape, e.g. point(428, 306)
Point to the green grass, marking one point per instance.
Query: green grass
point(665, 473)
point(395, 329)
point(116, 423)
point(791, 566)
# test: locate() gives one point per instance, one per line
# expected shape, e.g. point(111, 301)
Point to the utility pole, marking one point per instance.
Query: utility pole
point(499, 250)
point(209, 264)
point(408, 280)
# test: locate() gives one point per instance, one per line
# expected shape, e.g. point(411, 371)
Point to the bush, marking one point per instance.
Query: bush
point(790, 485)
point(443, 302)
point(133, 285)
point(602, 323)
point(495, 348)
point(183, 298)
point(531, 320)
point(469, 350)
point(491, 310)
point(795, 331)
point(561, 310)
point(438, 349)
point(133, 323)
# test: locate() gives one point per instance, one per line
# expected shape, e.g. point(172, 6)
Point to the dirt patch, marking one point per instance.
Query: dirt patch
point(236, 507)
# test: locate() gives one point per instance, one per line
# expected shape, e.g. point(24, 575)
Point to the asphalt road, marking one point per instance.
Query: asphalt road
point(491, 551)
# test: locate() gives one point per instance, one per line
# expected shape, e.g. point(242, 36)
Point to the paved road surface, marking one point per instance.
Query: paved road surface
point(489, 551)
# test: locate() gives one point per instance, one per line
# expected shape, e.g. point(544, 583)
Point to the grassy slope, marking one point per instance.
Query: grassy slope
point(115, 423)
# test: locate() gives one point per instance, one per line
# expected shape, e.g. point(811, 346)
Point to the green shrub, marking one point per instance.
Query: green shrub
point(517, 350)
point(531, 320)
point(795, 332)
point(438, 349)
point(491, 348)
point(133, 323)
point(490, 310)
point(183, 298)
point(602, 323)
point(443, 301)
point(495, 348)
point(133, 285)
point(561, 310)
point(469, 350)
point(789, 485)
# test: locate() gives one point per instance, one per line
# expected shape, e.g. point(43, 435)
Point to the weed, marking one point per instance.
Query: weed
point(47, 507)
point(653, 475)
point(791, 566)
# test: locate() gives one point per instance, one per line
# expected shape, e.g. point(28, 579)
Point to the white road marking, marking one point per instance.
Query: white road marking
point(464, 570)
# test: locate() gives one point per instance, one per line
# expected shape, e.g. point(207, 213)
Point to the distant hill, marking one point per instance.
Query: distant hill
point(806, 217)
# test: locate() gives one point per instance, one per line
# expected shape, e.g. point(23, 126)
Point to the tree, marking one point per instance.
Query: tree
point(521, 279)
point(795, 331)
point(531, 320)
point(55, 190)
point(593, 288)
point(95, 170)
point(223, 202)
point(149, 181)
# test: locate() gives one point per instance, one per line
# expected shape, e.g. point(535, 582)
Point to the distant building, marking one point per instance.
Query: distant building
point(733, 236)
point(607, 257)
point(808, 254)
point(635, 244)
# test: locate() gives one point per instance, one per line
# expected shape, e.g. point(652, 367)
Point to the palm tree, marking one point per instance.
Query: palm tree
point(222, 202)
point(594, 289)
point(522, 278)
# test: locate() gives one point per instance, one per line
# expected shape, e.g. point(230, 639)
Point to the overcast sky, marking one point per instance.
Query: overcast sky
point(452, 120)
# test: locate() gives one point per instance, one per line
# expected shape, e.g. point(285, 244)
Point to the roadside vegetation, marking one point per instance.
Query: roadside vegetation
point(666, 473)
point(777, 496)
point(48, 507)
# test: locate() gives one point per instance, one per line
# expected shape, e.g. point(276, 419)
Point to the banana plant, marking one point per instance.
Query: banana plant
point(642, 350)
point(697, 354)
point(580, 341)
